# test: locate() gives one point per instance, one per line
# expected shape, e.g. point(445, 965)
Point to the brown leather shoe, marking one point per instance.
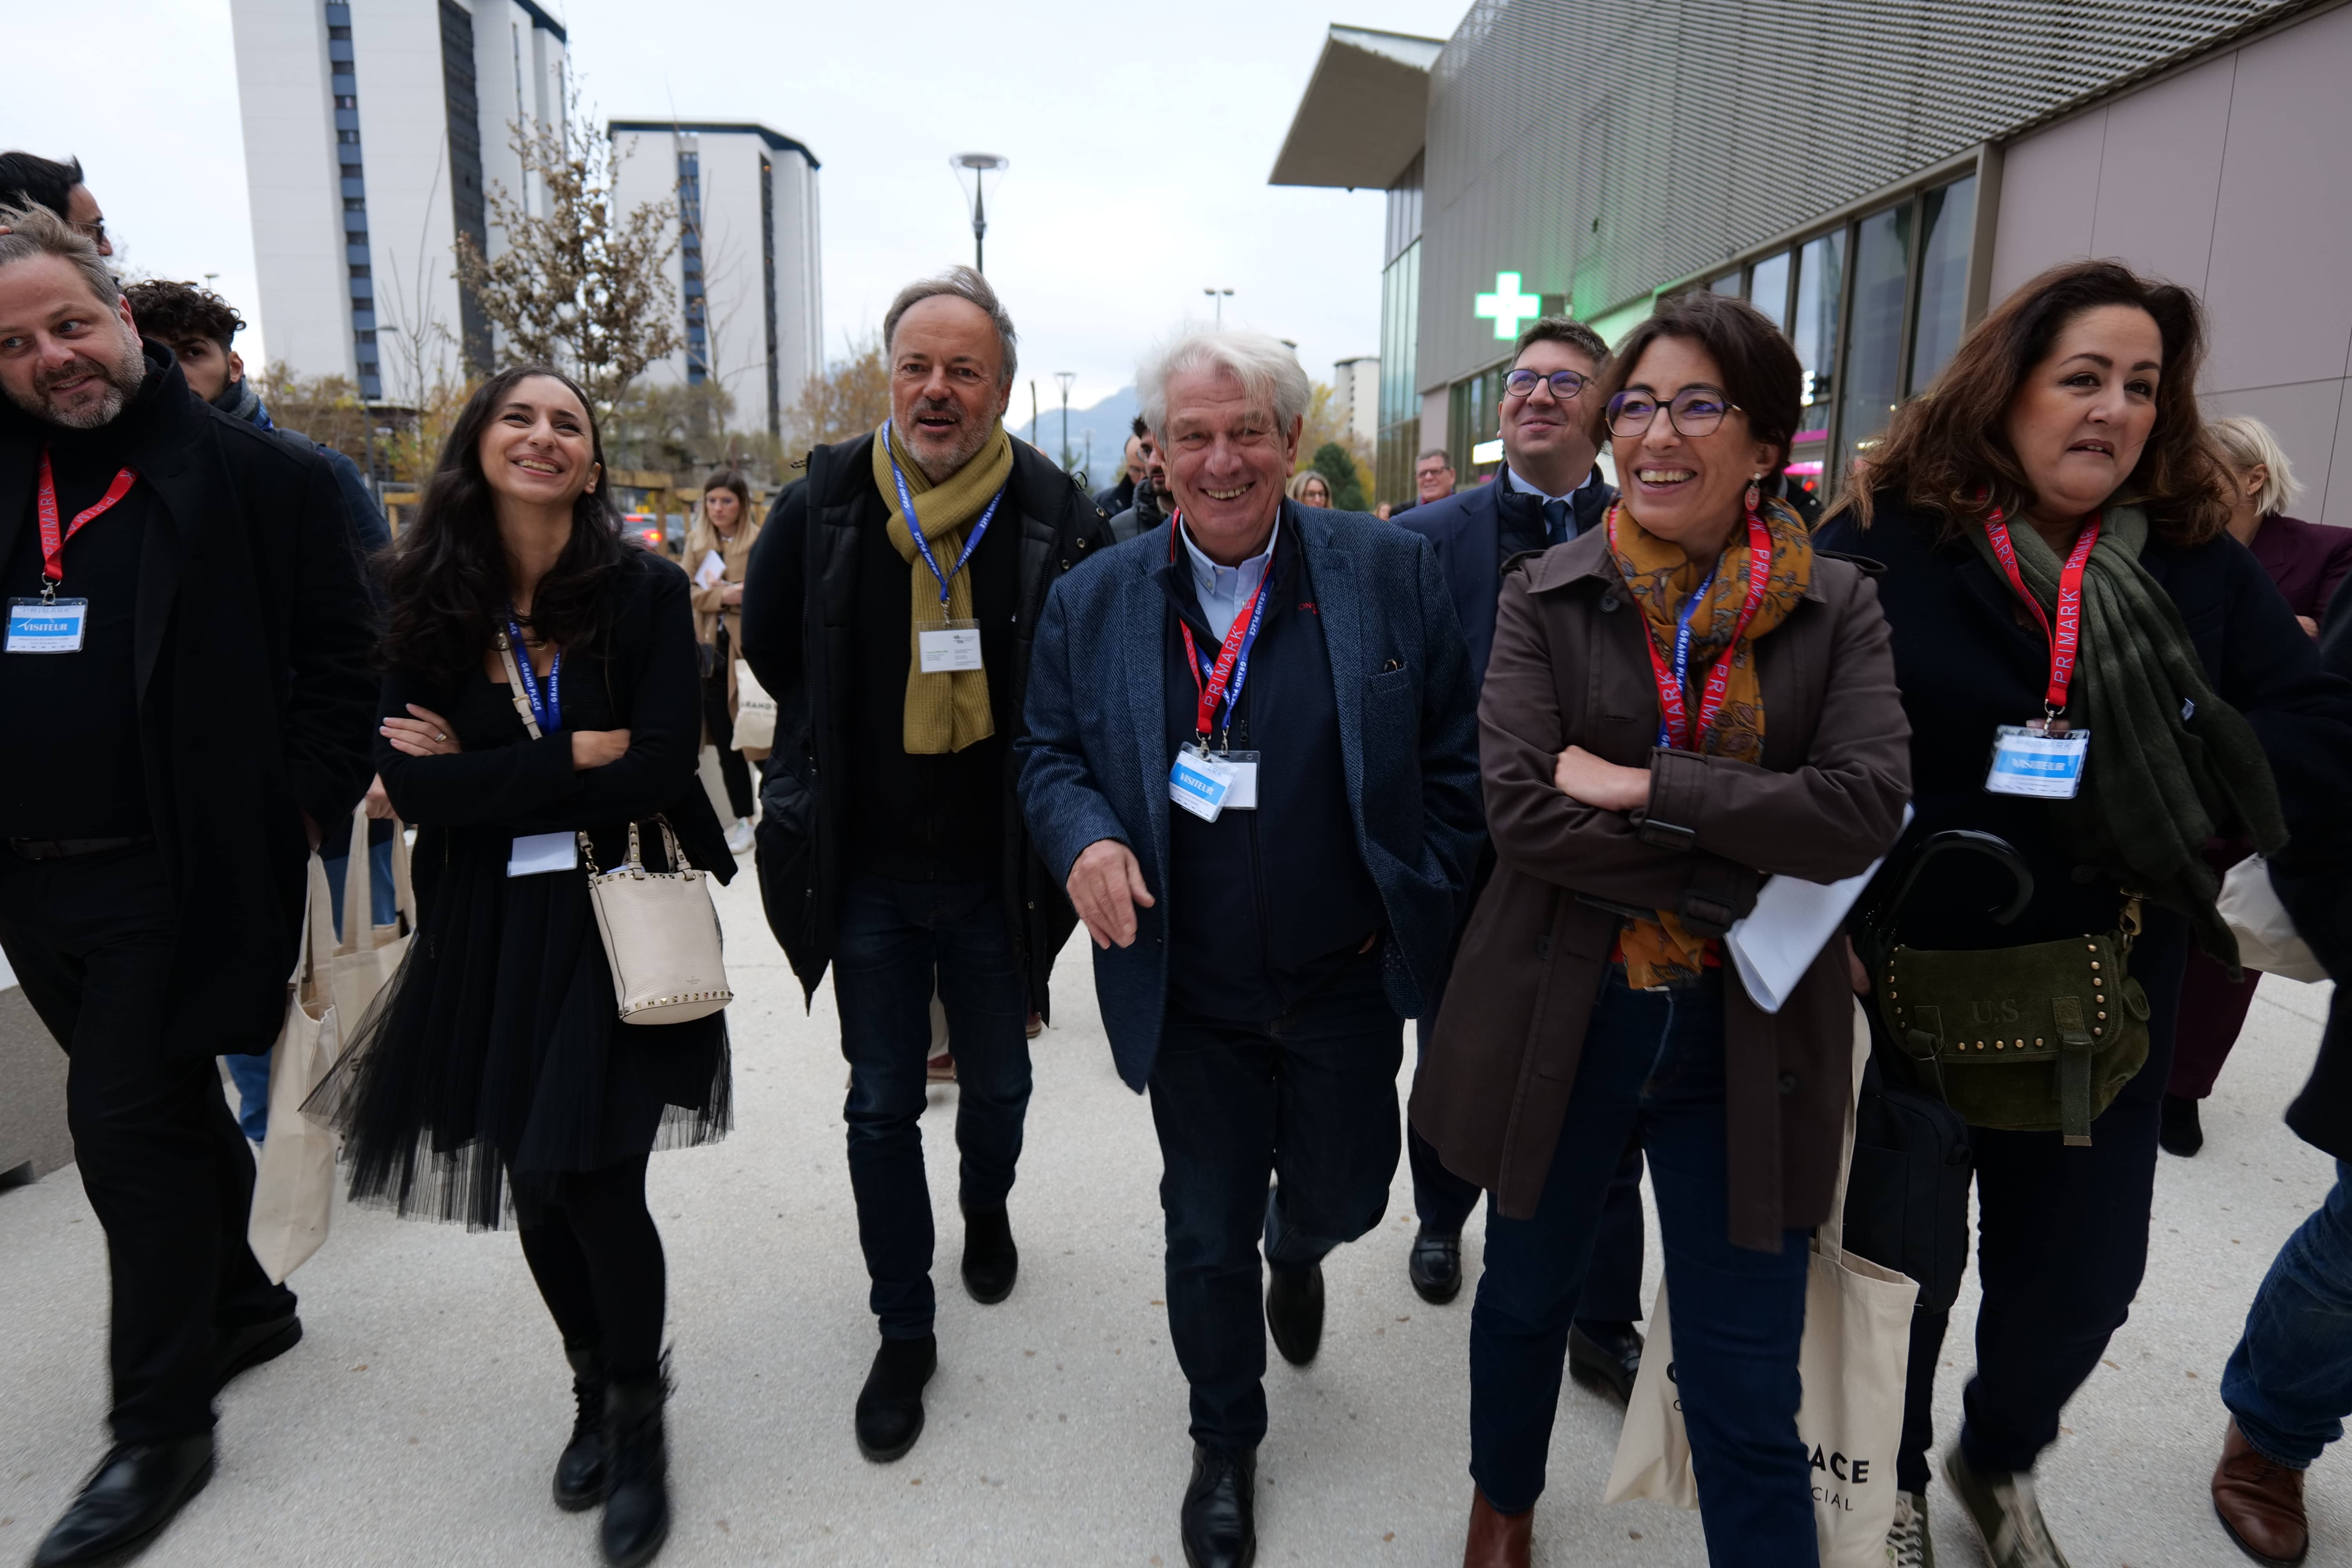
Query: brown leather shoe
point(2260, 1503)
point(1499, 1540)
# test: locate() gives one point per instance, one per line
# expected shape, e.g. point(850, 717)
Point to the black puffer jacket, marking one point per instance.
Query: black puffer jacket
point(799, 638)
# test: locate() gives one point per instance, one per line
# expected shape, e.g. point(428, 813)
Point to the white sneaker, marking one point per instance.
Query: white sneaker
point(738, 838)
point(1907, 1543)
point(2006, 1515)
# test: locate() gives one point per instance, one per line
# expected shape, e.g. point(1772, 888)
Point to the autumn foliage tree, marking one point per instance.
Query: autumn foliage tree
point(586, 287)
point(851, 398)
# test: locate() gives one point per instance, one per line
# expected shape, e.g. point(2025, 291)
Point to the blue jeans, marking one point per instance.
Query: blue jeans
point(2289, 1381)
point(250, 1073)
point(1307, 1102)
point(895, 936)
point(1653, 1066)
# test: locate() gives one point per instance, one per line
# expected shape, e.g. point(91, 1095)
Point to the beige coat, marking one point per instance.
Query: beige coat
point(710, 615)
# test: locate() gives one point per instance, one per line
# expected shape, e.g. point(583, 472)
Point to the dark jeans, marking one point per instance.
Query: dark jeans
point(1613, 1286)
point(166, 1170)
point(1652, 1067)
point(720, 725)
point(2061, 1242)
point(1307, 1102)
point(2289, 1381)
point(895, 936)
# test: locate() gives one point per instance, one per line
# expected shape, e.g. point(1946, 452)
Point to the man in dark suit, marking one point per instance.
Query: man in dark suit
point(1548, 492)
point(1294, 684)
point(186, 696)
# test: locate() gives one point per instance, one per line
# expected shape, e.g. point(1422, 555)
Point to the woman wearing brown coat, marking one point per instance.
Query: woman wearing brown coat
point(1590, 1000)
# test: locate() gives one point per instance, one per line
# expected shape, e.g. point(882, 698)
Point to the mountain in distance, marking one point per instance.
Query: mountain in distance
point(1108, 419)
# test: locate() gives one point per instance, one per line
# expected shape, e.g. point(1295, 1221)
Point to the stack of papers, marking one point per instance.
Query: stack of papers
point(1774, 943)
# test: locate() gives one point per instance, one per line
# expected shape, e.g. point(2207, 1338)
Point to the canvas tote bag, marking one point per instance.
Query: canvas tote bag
point(2266, 936)
point(294, 1190)
point(369, 953)
point(1853, 1359)
point(755, 711)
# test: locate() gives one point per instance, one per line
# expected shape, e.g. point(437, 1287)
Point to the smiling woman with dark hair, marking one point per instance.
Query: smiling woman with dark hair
point(2097, 676)
point(494, 1077)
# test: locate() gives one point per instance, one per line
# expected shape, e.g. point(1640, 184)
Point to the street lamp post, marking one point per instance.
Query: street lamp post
point(981, 166)
point(1065, 378)
point(1220, 295)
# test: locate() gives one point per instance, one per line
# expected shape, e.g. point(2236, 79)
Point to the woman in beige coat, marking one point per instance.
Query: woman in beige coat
point(718, 552)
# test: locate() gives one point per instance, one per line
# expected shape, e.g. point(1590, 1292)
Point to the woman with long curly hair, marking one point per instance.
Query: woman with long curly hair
point(494, 1077)
point(2095, 675)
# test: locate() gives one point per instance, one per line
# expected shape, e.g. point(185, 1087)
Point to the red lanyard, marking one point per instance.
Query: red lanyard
point(1674, 728)
point(53, 541)
point(2066, 637)
point(1235, 651)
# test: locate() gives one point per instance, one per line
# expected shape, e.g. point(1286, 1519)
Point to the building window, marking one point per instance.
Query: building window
point(768, 289)
point(1768, 288)
point(689, 223)
point(1399, 441)
point(1873, 360)
point(1947, 220)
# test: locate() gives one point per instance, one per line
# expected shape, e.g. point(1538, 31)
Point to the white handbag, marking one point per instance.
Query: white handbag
point(755, 711)
point(369, 953)
point(1853, 1359)
point(294, 1189)
point(661, 935)
point(2266, 936)
point(660, 929)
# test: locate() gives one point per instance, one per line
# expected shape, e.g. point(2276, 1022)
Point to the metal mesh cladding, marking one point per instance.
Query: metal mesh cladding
point(1600, 147)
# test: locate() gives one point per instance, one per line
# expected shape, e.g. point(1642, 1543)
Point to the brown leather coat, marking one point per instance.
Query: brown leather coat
point(1569, 668)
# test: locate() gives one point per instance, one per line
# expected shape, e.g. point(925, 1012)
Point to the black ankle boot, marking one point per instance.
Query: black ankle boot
point(991, 1261)
point(890, 1406)
point(2178, 1130)
point(636, 1493)
point(579, 1473)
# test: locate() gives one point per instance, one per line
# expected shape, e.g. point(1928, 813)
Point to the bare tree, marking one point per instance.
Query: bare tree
point(585, 287)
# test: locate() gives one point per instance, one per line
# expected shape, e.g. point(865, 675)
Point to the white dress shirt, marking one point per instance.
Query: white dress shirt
point(1223, 590)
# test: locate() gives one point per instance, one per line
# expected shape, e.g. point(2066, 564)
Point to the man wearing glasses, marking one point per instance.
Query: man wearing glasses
point(1548, 492)
point(26, 179)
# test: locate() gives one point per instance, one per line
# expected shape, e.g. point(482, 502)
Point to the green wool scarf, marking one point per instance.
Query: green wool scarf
point(2171, 764)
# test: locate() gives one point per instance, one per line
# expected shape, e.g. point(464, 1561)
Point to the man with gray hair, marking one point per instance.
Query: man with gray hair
point(890, 605)
point(1293, 683)
point(185, 693)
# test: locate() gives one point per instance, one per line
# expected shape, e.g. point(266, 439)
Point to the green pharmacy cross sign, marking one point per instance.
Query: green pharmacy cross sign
point(1506, 307)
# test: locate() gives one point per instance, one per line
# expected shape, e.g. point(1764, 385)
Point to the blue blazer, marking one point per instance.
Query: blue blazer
point(1466, 530)
point(1094, 757)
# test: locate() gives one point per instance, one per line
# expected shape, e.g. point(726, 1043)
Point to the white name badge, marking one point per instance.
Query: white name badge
point(948, 648)
point(1240, 771)
point(537, 853)
point(47, 626)
point(1200, 784)
point(2027, 762)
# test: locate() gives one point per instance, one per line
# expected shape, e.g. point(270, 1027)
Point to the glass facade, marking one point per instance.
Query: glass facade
point(360, 274)
point(1947, 220)
point(1873, 356)
point(1474, 418)
point(1399, 439)
point(1768, 288)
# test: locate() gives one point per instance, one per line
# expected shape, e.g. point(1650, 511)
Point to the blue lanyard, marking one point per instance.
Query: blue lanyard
point(550, 713)
point(1682, 653)
point(907, 507)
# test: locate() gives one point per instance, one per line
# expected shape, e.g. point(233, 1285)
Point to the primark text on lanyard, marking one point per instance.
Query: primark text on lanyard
point(1678, 729)
point(950, 646)
point(2045, 757)
point(1204, 782)
point(48, 624)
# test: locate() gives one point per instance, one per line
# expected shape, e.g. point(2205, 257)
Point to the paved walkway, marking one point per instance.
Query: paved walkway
point(419, 1421)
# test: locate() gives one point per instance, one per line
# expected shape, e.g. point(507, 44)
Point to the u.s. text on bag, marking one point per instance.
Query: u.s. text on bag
point(294, 1189)
point(1853, 1359)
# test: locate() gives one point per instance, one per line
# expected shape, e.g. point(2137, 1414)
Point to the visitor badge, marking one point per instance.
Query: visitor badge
point(950, 648)
point(2026, 761)
point(1202, 783)
point(535, 853)
point(47, 626)
point(1240, 771)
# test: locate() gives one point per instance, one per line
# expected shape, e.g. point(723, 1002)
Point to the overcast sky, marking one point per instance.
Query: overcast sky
point(1141, 138)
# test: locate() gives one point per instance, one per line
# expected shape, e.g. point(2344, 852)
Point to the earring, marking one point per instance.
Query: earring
point(1753, 496)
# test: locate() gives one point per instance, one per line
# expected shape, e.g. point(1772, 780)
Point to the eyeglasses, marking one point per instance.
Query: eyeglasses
point(1565, 383)
point(95, 229)
point(1694, 411)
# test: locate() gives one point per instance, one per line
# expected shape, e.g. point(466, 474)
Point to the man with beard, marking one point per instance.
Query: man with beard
point(1117, 498)
point(1150, 505)
point(29, 180)
point(185, 689)
point(890, 606)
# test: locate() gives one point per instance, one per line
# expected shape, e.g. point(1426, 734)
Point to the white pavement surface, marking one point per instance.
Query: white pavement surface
point(419, 1421)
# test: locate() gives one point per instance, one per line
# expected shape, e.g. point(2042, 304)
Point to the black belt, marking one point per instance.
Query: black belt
point(67, 848)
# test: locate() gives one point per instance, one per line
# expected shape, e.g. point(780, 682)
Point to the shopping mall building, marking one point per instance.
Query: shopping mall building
point(1870, 173)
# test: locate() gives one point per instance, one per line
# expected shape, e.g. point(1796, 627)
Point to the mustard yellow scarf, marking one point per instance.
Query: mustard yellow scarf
point(1662, 579)
point(949, 711)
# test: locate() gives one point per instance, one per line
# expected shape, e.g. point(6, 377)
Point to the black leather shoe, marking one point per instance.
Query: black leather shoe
point(1219, 1519)
point(991, 1261)
point(241, 1350)
point(1436, 1266)
point(1293, 1312)
point(579, 1471)
point(2178, 1130)
point(636, 1494)
point(890, 1406)
point(1605, 1357)
point(135, 1491)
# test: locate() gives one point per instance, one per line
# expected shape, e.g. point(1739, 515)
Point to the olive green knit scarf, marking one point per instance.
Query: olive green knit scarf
point(2171, 764)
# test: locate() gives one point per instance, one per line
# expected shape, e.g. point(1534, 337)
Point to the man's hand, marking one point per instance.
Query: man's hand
point(1582, 777)
point(1106, 885)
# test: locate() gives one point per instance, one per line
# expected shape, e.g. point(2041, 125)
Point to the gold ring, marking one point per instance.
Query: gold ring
point(440, 735)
